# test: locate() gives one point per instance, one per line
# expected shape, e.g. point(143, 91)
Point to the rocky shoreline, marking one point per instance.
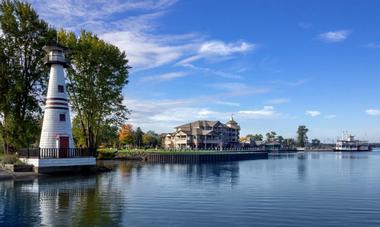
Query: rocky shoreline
point(7, 175)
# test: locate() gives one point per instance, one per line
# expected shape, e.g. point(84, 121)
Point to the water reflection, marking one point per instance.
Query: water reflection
point(301, 169)
point(69, 201)
point(215, 173)
point(319, 189)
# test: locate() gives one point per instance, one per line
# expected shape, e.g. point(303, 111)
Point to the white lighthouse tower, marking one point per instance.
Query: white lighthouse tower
point(57, 151)
point(56, 128)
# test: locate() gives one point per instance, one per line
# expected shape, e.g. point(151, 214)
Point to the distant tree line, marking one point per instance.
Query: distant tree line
point(128, 137)
point(272, 137)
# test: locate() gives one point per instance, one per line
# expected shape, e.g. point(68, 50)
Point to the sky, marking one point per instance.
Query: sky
point(273, 64)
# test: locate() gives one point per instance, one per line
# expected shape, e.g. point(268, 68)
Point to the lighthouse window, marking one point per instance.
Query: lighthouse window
point(62, 117)
point(61, 88)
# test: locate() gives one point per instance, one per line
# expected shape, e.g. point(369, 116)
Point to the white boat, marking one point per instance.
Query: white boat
point(349, 143)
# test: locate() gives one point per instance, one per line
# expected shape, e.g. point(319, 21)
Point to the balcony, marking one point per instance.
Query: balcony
point(56, 59)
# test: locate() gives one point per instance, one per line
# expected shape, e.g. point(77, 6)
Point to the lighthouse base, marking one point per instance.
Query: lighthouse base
point(57, 165)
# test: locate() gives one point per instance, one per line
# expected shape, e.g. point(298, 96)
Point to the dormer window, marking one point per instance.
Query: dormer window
point(61, 88)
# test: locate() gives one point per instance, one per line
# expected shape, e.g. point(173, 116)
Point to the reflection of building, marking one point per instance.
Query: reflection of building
point(62, 201)
point(204, 135)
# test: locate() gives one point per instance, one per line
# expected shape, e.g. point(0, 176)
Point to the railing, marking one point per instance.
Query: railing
point(43, 153)
point(56, 58)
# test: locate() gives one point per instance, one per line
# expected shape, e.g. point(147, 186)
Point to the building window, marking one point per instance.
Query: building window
point(62, 117)
point(61, 88)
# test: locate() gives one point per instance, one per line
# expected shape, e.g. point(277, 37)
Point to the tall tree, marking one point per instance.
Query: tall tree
point(290, 142)
point(139, 137)
point(271, 136)
point(315, 143)
point(23, 75)
point(95, 81)
point(108, 136)
point(302, 135)
point(151, 139)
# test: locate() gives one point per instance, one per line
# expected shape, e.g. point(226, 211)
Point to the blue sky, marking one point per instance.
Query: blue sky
point(273, 64)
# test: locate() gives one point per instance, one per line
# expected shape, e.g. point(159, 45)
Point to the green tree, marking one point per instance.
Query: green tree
point(108, 136)
point(79, 139)
point(290, 143)
point(302, 135)
point(256, 137)
point(23, 75)
point(271, 136)
point(151, 139)
point(280, 139)
point(95, 83)
point(315, 143)
point(139, 137)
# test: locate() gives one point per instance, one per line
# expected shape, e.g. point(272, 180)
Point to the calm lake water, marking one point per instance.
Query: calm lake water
point(321, 189)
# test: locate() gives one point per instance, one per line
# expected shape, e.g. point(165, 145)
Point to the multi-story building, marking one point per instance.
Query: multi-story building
point(204, 135)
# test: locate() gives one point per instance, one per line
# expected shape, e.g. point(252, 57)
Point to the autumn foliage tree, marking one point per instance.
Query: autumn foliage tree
point(126, 135)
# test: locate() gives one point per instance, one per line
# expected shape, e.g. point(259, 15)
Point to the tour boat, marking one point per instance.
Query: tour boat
point(349, 143)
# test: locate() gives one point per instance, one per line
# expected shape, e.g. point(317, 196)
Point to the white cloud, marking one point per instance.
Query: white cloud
point(1, 32)
point(162, 115)
point(206, 113)
point(278, 101)
point(373, 45)
point(218, 50)
point(147, 51)
point(330, 116)
point(373, 112)
point(239, 89)
point(74, 14)
point(212, 71)
point(164, 77)
point(312, 113)
point(334, 36)
point(264, 113)
point(227, 103)
point(131, 25)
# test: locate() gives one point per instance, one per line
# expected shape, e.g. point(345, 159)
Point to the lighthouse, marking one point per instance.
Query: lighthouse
point(56, 127)
point(57, 152)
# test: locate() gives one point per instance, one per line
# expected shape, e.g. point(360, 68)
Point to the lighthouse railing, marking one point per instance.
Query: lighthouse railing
point(45, 153)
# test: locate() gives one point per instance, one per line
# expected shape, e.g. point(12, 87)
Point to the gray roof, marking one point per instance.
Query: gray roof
point(198, 124)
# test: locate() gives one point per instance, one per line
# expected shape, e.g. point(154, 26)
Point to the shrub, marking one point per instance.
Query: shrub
point(10, 159)
point(106, 155)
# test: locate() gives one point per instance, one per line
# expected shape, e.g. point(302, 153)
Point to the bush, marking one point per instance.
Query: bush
point(10, 159)
point(106, 155)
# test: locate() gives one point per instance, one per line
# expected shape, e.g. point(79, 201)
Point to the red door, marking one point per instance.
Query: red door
point(63, 146)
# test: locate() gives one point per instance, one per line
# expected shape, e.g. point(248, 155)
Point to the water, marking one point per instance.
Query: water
point(321, 189)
